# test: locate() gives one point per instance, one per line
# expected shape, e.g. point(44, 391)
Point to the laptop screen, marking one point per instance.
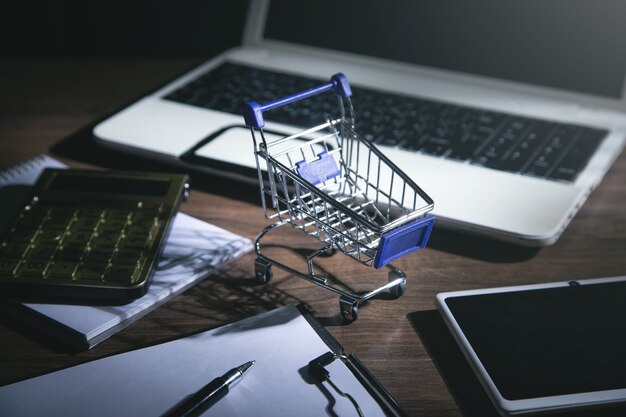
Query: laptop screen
point(577, 46)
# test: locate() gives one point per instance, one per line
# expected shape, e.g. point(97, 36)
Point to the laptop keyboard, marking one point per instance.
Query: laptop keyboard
point(496, 140)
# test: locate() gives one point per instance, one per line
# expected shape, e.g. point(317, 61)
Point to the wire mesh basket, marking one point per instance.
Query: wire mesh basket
point(336, 186)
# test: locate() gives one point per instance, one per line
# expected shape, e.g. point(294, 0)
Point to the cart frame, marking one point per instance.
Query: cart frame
point(329, 196)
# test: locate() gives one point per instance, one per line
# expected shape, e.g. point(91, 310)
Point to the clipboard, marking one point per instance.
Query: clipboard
point(354, 364)
point(152, 380)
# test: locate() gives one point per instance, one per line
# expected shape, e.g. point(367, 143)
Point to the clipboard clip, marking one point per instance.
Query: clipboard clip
point(320, 373)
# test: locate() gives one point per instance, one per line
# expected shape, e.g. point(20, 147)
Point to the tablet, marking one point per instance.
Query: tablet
point(544, 347)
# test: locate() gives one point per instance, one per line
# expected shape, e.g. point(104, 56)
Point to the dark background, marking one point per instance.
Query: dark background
point(161, 28)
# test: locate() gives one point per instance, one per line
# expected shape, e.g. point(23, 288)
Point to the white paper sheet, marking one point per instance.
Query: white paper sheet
point(193, 249)
point(151, 381)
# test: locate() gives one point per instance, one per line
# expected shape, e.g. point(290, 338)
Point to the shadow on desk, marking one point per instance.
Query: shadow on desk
point(463, 384)
point(481, 248)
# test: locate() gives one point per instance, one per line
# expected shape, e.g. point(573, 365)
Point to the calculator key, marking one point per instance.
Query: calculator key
point(121, 274)
point(98, 255)
point(143, 224)
point(42, 252)
point(50, 236)
point(59, 222)
point(91, 272)
point(70, 253)
point(151, 206)
point(114, 224)
point(22, 235)
point(13, 250)
point(29, 221)
point(60, 212)
point(122, 215)
point(33, 268)
point(106, 240)
point(63, 270)
point(144, 216)
point(86, 223)
point(37, 210)
point(128, 257)
point(90, 213)
point(135, 241)
point(8, 267)
point(78, 238)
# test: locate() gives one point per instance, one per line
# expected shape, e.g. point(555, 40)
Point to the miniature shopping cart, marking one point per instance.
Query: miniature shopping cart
point(335, 185)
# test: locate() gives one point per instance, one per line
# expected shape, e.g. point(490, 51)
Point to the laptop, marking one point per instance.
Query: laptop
point(506, 114)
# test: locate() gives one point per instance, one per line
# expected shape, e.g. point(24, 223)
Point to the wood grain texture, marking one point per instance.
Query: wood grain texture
point(49, 106)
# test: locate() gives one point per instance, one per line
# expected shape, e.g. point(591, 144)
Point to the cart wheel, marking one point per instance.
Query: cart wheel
point(263, 270)
point(349, 308)
point(329, 252)
point(398, 290)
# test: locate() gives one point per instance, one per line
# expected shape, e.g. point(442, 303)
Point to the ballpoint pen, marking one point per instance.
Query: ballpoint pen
point(210, 393)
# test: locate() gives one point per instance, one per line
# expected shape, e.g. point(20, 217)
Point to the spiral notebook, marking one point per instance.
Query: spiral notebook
point(193, 250)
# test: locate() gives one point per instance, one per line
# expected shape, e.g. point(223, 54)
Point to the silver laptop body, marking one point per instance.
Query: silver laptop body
point(519, 208)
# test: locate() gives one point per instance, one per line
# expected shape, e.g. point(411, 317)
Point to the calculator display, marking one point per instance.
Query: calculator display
point(109, 185)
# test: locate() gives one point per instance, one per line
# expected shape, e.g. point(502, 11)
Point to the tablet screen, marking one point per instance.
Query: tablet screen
point(547, 342)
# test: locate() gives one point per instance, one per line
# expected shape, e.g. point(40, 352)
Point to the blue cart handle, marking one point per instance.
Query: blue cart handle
point(253, 112)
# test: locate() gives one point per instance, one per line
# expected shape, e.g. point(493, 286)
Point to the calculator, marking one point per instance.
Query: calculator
point(90, 234)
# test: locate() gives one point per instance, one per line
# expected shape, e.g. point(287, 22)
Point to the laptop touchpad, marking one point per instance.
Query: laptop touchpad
point(233, 145)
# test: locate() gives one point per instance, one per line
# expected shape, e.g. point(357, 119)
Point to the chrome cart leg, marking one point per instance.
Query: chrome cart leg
point(263, 270)
point(320, 252)
point(397, 275)
point(349, 308)
point(257, 241)
point(262, 266)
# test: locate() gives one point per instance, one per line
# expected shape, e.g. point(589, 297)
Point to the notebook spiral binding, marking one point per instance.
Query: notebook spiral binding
point(20, 173)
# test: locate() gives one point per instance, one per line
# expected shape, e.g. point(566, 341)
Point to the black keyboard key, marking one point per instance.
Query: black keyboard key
point(467, 145)
point(553, 151)
point(438, 144)
point(527, 147)
point(576, 159)
point(494, 152)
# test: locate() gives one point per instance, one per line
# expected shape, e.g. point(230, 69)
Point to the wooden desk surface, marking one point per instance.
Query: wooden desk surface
point(403, 342)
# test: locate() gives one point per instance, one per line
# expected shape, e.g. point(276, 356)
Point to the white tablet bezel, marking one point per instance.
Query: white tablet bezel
point(531, 405)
